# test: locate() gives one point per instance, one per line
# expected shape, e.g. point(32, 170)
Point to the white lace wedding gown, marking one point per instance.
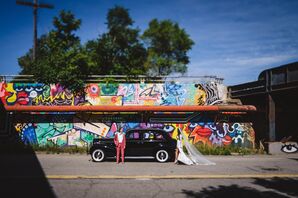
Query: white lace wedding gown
point(194, 156)
point(182, 157)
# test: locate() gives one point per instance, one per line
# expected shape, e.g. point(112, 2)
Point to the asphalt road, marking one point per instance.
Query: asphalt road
point(64, 175)
point(122, 188)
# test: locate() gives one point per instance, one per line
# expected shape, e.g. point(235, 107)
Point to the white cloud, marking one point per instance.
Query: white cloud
point(238, 70)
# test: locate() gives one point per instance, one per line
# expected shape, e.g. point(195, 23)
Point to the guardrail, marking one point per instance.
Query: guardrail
point(122, 78)
point(249, 88)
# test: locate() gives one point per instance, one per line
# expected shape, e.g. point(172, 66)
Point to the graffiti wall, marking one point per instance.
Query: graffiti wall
point(81, 132)
point(286, 147)
point(168, 93)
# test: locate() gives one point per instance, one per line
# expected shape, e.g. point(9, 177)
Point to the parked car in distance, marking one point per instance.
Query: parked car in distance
point(140, 143)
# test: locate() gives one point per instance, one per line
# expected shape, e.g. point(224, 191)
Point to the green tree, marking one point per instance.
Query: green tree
point(119, 51)
point(167, 47)
point(60, 56)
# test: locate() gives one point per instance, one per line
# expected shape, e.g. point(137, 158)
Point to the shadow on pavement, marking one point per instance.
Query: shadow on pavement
point(231, 191)
point(284, 185)
point(21, 174)
point(296, 159)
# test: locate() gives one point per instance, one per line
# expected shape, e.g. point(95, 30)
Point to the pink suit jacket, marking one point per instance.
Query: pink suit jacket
point(117, 142)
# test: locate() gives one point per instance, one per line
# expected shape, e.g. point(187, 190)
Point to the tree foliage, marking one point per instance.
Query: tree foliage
point(119, 51)
point(61, 58)
point(168, 45)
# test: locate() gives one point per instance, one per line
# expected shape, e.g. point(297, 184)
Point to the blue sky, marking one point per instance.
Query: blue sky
point(234, 39)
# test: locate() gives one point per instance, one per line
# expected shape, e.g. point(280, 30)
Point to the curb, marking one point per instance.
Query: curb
point(252, 176)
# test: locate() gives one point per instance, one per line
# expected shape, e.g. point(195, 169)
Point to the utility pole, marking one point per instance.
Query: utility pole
point(35, 6)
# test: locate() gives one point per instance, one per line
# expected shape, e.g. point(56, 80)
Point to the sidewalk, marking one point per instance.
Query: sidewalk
point(75, 166)
point(66, 175)
point(65, 166)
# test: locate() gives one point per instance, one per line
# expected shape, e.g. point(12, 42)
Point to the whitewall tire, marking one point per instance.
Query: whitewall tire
point(162, 156)
point(98, 155)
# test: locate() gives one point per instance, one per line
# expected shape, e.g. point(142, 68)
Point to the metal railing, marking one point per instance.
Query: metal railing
point(247, 89)
point(123, 78)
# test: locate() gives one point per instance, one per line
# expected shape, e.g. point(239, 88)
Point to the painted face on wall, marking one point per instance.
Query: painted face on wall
point(93, 90)
point(289, 148)
point(108, 89)
point(26, 92)
point(168, 128)
point(22, 98)
point(60, 96)
point(199, 133)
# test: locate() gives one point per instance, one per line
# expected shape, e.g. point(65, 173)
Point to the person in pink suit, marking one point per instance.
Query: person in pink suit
point(120, 142)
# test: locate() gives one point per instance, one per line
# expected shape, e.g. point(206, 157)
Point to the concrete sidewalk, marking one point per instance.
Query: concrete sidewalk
point(65, 166)
point(64, 175)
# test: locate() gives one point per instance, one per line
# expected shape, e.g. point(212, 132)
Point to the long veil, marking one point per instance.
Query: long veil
point(194, 154)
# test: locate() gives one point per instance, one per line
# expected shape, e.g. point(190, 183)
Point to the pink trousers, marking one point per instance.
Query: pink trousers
point(119, 148)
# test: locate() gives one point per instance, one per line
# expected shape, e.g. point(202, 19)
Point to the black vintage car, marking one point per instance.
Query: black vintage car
point(140, 143)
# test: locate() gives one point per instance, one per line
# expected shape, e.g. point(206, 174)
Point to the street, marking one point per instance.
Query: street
point(148, 178)
point(65, 175)
point(175, 187)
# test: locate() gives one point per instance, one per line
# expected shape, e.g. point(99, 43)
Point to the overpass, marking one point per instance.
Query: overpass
point(275, 94)
point(49, 114)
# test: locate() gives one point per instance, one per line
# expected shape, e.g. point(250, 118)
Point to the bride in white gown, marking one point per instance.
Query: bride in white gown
point(193, 157)
point(180, 154)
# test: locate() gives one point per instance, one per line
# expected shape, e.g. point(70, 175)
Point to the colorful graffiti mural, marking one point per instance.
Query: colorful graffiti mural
point(168, 93)
point(82, 133)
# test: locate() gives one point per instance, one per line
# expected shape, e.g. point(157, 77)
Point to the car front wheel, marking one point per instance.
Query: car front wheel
point(162, 156)
point(98, 155)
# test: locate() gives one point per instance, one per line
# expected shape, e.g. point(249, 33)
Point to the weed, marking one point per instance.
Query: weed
point(54, 149)
point(224, 150)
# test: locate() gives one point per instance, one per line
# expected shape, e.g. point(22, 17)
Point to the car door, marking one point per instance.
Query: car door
point(151, 141)
point(133, 143)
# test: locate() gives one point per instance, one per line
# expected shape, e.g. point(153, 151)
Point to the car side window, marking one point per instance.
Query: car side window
point(159, 136)
point(148, 135)
point(134, 135)
point(152, 135)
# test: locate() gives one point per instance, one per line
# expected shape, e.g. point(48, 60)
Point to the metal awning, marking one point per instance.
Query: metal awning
point(189, 108)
